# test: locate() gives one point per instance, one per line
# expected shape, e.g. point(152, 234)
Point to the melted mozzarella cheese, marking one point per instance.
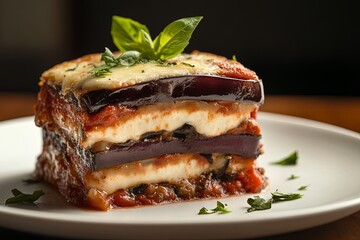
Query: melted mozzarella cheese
point(209, 119)
point(76, 75)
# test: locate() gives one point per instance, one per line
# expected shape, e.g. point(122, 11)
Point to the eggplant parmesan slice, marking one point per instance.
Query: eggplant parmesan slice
point(151, 133)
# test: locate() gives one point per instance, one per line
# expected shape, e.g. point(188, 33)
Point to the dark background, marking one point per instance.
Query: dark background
point(296, 47)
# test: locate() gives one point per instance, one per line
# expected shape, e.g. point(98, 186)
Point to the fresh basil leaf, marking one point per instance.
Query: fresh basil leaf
point(280, 197)
point(258, 203)
point(20, 197)
point(109, 58)
point(126, 59)
point(146, 46)
point(289, 160)
point(175, 37)
point(129, 35)
point(133, 39)
point(129, 58)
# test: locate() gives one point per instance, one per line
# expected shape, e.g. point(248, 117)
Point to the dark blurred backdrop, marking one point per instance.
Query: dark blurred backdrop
point(296, 47)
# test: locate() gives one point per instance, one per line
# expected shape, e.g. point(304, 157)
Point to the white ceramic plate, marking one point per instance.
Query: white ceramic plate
point(328, 162)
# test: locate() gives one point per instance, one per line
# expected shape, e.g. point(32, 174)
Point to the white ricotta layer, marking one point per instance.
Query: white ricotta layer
point(166, 169)
point(209, 119)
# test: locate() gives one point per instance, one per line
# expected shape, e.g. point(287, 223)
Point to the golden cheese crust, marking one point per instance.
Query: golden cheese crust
point(76, 76)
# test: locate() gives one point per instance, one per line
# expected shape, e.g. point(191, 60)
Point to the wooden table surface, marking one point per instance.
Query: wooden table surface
point(340, 111)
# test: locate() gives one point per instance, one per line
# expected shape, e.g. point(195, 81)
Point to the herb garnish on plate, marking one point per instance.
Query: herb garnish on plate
point(258, 203)
point(20, 197)
point(289, 160)
point(220, 208)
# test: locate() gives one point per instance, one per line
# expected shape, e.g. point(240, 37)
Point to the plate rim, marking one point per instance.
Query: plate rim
point(354, 200)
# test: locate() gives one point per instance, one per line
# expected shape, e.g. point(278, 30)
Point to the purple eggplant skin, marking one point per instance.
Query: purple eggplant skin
point(191, 87)
point(244, 145)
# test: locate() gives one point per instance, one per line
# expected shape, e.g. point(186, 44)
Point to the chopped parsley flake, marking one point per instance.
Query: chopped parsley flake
point(289, 160)
point(303, 188)
point(258, 203)
point(292, 177)
point(220, 208)
point(20, 197)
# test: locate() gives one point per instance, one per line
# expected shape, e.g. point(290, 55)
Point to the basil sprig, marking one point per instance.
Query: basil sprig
point(133, 39)
point(130, 35)
point(175, 37)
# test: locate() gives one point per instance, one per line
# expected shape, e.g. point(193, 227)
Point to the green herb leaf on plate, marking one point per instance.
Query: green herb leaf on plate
point(292, 177)
point(303, 188)
point(220, 208)
point(204, 210)
point(289, 160)
point(20, 197)
point(281, 197)
point(257, 203)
